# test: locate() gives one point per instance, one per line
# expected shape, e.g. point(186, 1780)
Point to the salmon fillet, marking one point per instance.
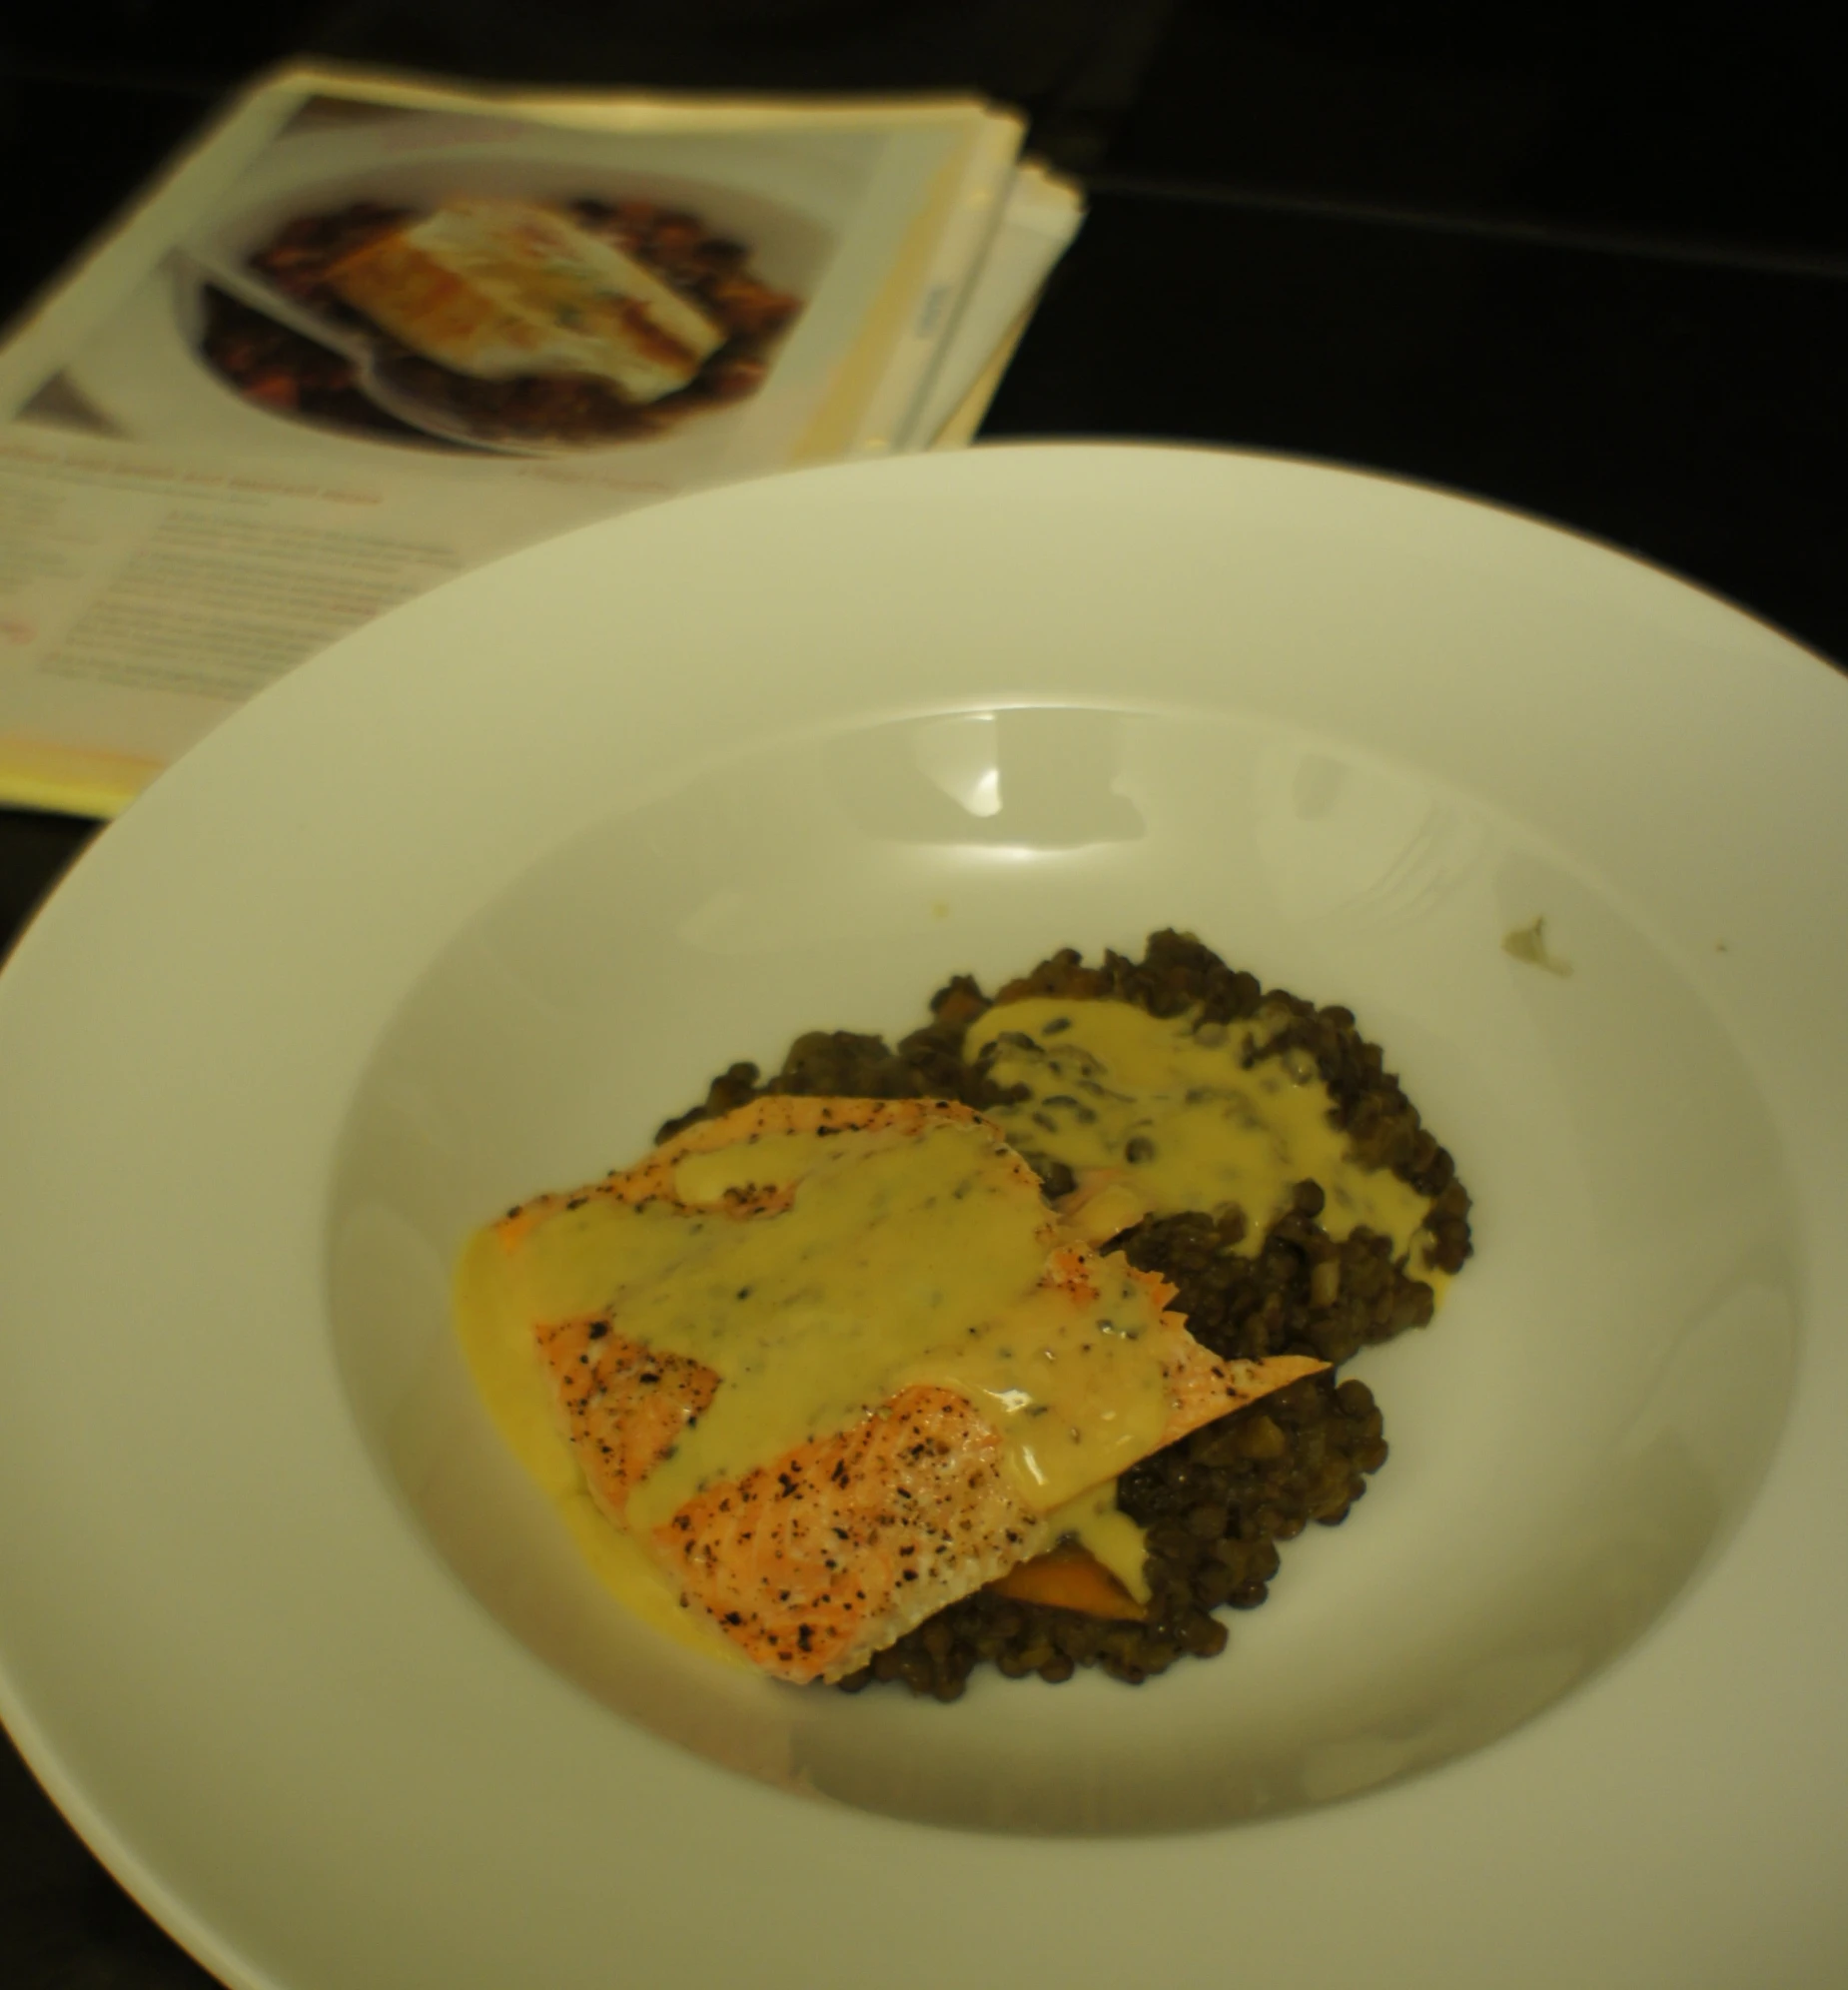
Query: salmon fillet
point(624, 1406)
point(816, 1560)
point(812, 1561)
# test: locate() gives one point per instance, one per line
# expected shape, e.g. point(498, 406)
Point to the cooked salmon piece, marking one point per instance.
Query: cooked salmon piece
point(624, 1406)
point(1203, 1386)
point(1068, 1576)
point(816, 1558)
point(821, 1557)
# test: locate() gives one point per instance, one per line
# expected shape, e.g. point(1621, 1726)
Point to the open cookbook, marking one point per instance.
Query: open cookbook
point(368, 331)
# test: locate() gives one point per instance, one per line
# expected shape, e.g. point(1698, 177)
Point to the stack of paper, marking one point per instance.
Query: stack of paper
point(370, 332)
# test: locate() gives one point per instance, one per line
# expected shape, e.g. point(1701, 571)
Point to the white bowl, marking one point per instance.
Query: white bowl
point(460, 910)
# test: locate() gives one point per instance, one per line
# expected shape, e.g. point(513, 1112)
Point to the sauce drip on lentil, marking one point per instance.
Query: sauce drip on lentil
point(1178, 1108)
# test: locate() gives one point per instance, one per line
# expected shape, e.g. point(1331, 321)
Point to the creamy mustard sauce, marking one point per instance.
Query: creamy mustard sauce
point(1094, 1521)
point(898, 1259)
point(1168, 1107)
point(498, 1343)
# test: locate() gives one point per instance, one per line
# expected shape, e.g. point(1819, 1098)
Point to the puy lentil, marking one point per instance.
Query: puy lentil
point(1215, 1505)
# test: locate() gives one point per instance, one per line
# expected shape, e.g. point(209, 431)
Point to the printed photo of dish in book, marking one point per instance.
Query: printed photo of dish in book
point(492, 322)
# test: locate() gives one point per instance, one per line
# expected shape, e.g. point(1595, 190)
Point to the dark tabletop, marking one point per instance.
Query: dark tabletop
point(1587, 261)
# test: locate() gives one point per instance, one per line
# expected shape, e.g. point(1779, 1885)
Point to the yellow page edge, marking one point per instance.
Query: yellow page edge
point(67, 780)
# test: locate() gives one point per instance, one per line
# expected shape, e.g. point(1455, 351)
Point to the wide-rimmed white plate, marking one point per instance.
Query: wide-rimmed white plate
point(461, 909)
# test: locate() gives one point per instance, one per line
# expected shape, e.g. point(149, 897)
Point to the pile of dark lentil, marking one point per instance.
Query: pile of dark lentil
point(1214, 1506)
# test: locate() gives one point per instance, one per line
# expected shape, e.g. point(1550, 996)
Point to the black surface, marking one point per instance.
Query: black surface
point(63, 1921)
point(82, 147)
point(1691, 411)
point(34, 850)
point(1584, 260)
point(1718, 124)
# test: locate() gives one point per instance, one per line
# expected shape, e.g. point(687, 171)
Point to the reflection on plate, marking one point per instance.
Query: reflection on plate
point(301, 1652)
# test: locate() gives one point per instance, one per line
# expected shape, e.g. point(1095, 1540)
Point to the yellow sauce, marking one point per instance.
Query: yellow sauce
point(498, 1343)
point(1167, 1107)
point(899, 1259)
point(1095, 1521)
